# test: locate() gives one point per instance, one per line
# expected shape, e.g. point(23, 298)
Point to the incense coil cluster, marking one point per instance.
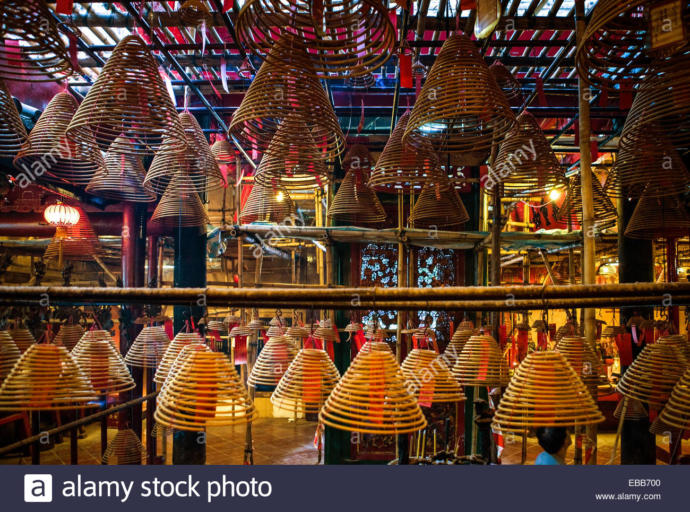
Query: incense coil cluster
point(9, 354)
point(345, 37)
point(267, 204)
point(506, 81)
point(42, 56)
point(481, 363)
point(46, 377)
point(205, 392)
point(545, 391)
point(76, 243)
point(272, 363)
point(659, 217)
point(372, 398)
point(103, 366)
point(124, 449)
point(148, 348)
point(129, 100)
point(676, 412)
point(438, 205)
point(22, 338)
point(69, 335)
point(401, 166)
point(122, 178)
point(605, 213)
point(12, 131)
point(48, 148)
point(653, 374)
point(172, 351)
point(306, 384)
point(428, 377)
point(196, 163)
point(278, 91)
point(180, 205)
point(582, 358)
point(460, 108)
point(526, 165)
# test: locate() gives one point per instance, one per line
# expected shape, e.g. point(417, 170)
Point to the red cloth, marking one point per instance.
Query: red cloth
point(227, 5)
point(169, 329)
point(624, 344)
point(64, 7)
point(406, 71)
point(541, 340)
point(360, 340)
point(240, 350)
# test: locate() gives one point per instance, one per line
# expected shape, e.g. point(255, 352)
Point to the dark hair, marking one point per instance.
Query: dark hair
point(551, 438)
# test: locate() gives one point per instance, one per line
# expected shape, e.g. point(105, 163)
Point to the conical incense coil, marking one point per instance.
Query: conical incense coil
point(297, 331)
point(174, 348)
point(652, 375)
point(506, 81)
point(196, 162)
point(32, 49)
point(272, 363)
point(129, 99)
point(429, 379)
point(582, 358)
point(193, 13)
point(293, 159)
point(103, 366)
point(180, 206)
point(267, 204)
point(223, 152)
point(216, 325)
point(401, 166)
point(182, 356)
point(605, 213)
point(345, 37)
point(634, 410)
point(481, 363)
point(676, 413)
point(75, 243)
point(46, 377)
point(160, 431)
point(48, 149)
point(240, 330)
point(275, 330)
point(22, 338)
point(124, 449)
point(457, 343)
point(663, 217)
point(355, 203)
point(361, 82)
point(69, 335)
point(438, 205)
point(148, 348)
point(256, 324)
point(122, 178)
point(9, 354)
point(285, 86)
point(526, 164)
point(545, 391)
point(373, 346)
point(353, 327)
point(12, 131)
point(205, 392)
point(306, 384)
point(372, 397)
point(611, 331)
point(663, 101)
point(90, 336)
point(680, 341)
point(460, 107)
point(612, 49)
point(325, 331)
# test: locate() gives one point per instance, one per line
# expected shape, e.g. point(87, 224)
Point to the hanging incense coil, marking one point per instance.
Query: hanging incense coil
point(372, 398)
point(9, 354)
point(272, 363)
point(545, 391)
point(676, 412)
point(429, 379)
point(612, 50)
point(306, 384)
point(205, 392)
point(297, 331)
point(196, 162)
point(457, 342)
point(481, 363)
point(223, 152)
point(216, 325)
point(355, 203)
point(353, 327)
point(91, 336)
point(103, 366)
point(652, 375)
point(605, 213)
point(160, 431)
point(662, 217)
point(48, 148)
point(193, 13)
point(22, 338)
point(634, 410)
point(293, 159)
point(148, 348)
point(439, 205)
point(267, 204)
point(122, 178)
point(611, 331)
point(256, 323)
point(582, 358)
point(75, 243)
point(506, 81)
point(275, 330)
point(129, 99)
point(285, 86)
point(373, 346)
point(662, 103)
point(124, 449)
point(172, 351)
point(69, 335)
point(401, 166)
point(39, 55)
point(679, 341)
point(179, 361)
point(240, 330)
point(345, 37)
point(526, 165)
point(460, 108)
point(12, 131)
point(180, 205)
point(46, 377)
point(326, 332)
point(361, 82)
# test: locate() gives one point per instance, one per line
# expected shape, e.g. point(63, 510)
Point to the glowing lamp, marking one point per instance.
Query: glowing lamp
point(555, 194)
point(61, 215)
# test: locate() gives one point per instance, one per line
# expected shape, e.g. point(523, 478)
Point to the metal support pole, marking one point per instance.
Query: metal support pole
point(672, 277)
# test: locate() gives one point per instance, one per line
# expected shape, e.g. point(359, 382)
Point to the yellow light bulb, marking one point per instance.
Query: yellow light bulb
point(555, 194)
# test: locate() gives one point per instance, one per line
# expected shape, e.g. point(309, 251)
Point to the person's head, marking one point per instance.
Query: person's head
point(554, 440)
